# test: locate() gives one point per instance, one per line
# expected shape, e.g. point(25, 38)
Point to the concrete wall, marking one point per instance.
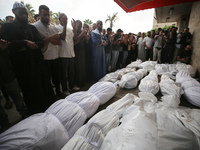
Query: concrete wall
point(194, 25)
point(161, 25)
point(183, 22)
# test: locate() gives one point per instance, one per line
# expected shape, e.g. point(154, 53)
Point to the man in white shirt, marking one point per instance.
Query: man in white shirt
point(66, 55)
point(148, 44)
point(51, 39)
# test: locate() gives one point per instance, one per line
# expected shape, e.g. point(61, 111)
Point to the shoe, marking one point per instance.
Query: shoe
point(66, 93)
point(76, 88)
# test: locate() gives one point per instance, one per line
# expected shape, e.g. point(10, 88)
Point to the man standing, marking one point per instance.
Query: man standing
point(98, 53)
point(148, 44)
point(116, 47)
point(51, 39)
point(27, 60)
point(66, 54)
point(9, 18)
point(108, 49)
point(157, 49)
point(79, 48)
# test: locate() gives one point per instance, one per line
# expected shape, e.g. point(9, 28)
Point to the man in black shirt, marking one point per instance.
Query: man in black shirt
point(27, 60)
point(185, 56)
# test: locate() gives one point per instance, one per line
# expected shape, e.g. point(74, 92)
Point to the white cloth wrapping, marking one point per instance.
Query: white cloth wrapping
point(120, 106)
point(190, 83)
point(150, 83)
point(188, 68)
point(117, 75)
point(130, 80)
point(149, 65)
point(86, 100)
point(192, 95)
point(169, 69)
point(142, 72)
point(111, 77)
point(190, 86)
point(134, 64)
point(103, 90)
point(168, 87)
point(162, 128)
point(40, 131)
point(70, 114)
point(170, 101)
point(105, 120)
point(88, 137)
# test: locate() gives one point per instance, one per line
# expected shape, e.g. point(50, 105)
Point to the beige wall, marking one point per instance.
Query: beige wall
point(161, 25)
point(194, 25)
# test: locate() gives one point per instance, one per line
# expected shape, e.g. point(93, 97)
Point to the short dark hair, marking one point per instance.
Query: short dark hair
point(119, 30)
point(35, 16)
point(43, 7)
point(7, 17)
point(78, 21)
point(61, 15)
point(85, 24)
point(109, 29)
point(98, 22)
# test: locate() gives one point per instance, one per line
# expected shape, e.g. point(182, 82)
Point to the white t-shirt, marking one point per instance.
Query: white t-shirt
point(50, 51)
point(66, 49)
point(149, 41)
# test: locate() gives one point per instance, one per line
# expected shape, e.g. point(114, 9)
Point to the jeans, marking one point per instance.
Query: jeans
point(108, 58)
point(115, 55)
point(125, 55)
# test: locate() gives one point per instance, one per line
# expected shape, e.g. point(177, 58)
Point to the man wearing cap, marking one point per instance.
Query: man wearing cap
point(49, 34)
point(27, 60)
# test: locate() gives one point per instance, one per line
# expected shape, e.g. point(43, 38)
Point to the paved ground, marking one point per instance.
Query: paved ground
point(14, 116)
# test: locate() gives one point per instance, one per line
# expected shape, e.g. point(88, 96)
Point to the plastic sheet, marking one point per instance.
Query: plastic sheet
point(103, 90)
point(40, 131)
point(86, 100)
point(70, 114)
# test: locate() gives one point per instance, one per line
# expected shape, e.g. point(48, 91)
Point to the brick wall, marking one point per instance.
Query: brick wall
point(194, 25)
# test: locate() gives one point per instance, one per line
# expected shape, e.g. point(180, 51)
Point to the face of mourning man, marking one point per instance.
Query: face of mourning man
point(99, 26)
point(21, 15)
point(45, 16)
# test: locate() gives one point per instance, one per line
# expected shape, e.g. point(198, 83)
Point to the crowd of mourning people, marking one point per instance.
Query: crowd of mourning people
point(43, 62)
